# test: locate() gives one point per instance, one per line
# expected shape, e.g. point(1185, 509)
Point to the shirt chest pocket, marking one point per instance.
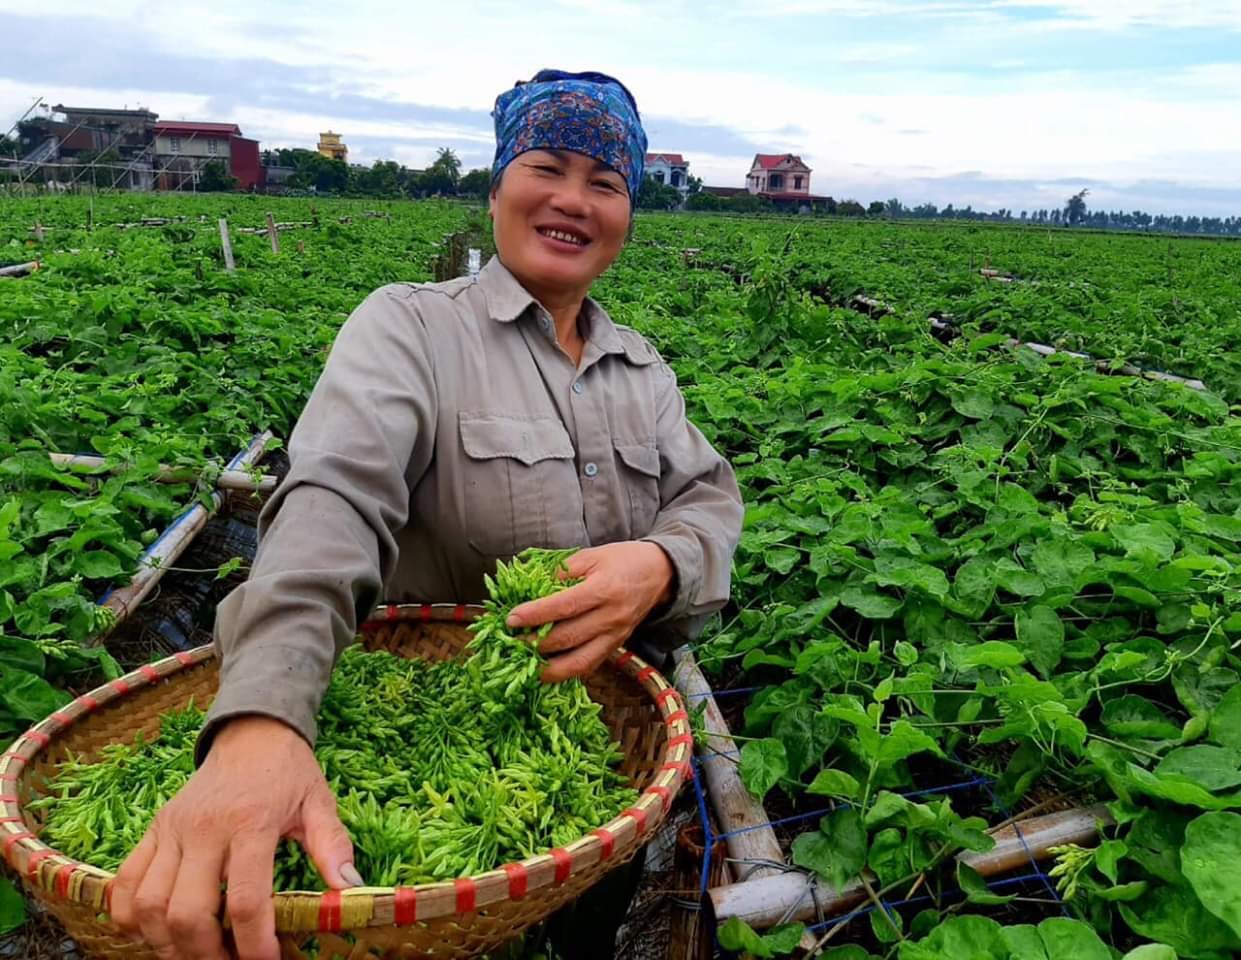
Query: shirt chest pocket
point(639, 473)
point(521, 487)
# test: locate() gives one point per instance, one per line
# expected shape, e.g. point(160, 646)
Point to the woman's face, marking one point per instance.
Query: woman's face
point(560, 220)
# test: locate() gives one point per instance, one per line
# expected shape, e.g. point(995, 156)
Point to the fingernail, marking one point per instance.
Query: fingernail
point(351, 876)
point(513, 620)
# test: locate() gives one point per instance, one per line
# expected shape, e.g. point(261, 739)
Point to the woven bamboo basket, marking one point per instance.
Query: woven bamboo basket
point(462, 918)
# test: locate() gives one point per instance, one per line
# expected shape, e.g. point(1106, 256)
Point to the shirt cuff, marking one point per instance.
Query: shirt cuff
point(265, 689)
point(686, 556)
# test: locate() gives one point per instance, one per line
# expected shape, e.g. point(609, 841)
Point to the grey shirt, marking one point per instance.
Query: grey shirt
point(447, 431)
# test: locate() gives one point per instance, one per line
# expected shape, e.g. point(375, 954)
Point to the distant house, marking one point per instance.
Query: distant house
point(669, 168)
point(778, 173)
point(111, 146)
point(183, 148)
point(330, 146)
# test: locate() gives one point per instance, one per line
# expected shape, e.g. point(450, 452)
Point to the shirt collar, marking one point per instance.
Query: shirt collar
point(507, 300)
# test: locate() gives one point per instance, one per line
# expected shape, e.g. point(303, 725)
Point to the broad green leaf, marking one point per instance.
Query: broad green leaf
point(1209, 860)
point(903, 740)
point(909, 574)
point(992, 653)
point(1060, 562)
point(28, 697)
point(1040, 632)
point(1215, 768)
point(1144, 541)
point(846, 841)
point(967, 937)
point(806, 734)
point(1225, 726)
point(1175, 916)
point(1135, 716)
point(763, 764)
point(1151, 951)
point(886, 924)
point(737, 935)
point(835, 783)
point(97, 565)
point(781, 559)
point(12, 907)
point(976, 889)
point(1066, 939)
point(1107, 856)
point(869, 602)
point(974, 404)
point(1017, 580)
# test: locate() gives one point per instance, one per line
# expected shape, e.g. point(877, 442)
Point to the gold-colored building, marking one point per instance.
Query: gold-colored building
point(331, 147)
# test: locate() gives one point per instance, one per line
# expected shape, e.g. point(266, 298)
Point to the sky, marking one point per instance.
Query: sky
point(993, 103)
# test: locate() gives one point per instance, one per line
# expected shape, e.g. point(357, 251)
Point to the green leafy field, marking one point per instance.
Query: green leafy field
point(959, 558)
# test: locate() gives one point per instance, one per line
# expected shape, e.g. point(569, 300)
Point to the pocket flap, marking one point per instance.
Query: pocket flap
point(639, 456)
point(487, 436)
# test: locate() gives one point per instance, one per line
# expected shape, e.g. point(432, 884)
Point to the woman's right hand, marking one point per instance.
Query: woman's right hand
point(259, 783)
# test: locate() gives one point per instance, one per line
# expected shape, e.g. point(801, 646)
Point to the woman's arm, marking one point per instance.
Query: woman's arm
point(699, 520)
point(328, 535)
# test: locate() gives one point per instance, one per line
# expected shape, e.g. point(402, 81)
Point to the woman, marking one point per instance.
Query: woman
point(454, 424)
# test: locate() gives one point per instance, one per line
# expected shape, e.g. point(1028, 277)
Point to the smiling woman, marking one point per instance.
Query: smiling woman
point(455, 425)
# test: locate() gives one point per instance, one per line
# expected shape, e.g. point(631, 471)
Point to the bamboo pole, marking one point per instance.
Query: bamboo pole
point(272, 235)
point(734, 808)
point(171, 543)
point(775, 899)
point(227, 245)
point(226, 479)
point(19, 269)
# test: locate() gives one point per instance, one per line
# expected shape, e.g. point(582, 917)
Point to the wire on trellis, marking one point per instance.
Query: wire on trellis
point(975, 781)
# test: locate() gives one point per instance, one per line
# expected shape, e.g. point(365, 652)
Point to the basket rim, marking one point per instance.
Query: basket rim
point(332, 911)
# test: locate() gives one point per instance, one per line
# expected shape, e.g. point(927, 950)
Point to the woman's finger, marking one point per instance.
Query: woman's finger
point(128, 878)
point(564, 605)
point(154, 896)
point(581, 661)
point(251, 867)
point(193, 913)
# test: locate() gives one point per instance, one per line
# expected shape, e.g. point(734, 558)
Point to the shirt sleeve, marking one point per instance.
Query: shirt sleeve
point(699, 519)
point(327, 537)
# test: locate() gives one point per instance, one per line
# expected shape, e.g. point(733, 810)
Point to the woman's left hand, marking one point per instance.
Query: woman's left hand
point(621, 584)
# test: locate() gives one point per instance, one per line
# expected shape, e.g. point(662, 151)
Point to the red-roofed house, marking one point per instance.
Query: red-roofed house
point(778, 173)
point(182, 149)
point(669, 168)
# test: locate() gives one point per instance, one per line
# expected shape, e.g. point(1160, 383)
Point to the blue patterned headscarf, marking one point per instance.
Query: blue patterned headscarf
point(588, 113)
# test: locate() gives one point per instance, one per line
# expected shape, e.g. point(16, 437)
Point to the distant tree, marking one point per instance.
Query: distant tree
point(11, 146)
point(1075, 208)
point(694, 183)
point(850, 208)
point(476, 184)
point(215, 178)
point(653, 195)
point(744, 203)
point(703, 201)
point(830, 206)
point(447, 162)
point(894, 208)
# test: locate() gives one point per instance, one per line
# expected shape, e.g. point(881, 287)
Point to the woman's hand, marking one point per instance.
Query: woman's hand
point(259, 783)
point(622, 583)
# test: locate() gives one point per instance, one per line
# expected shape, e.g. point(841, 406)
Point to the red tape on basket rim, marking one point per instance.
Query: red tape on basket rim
point(329, 911)
point(405, 906)
point(392, 612)
point(149, 672)
point(87, 703)
point(685, 738)
point(36, 858)
point(39, 737)
point(15, 757)
point(682, 768)
point(63, 878)
point(606, 840)
point(14, 838)
point(663, 793)
point(62, 718)
point(564, 864)
point(645, 674)
point(458, 613)
point(668, 694)
point(674, 718)
point(424, 612)
point(467, 894)
point(121, 687)
point(518, 880)
point(638, 816)
point(183, 658)
point(624, 657)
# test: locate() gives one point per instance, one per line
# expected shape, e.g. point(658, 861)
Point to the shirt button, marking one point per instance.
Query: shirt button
point(545, 323)
point(590, 469)
point(577, 386)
